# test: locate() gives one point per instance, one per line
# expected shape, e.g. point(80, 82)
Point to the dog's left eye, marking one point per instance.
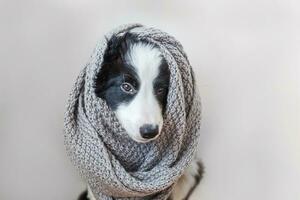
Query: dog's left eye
point(128, 88)
point(160, 90)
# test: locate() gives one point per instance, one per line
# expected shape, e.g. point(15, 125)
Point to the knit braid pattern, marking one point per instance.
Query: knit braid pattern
point(115, 166)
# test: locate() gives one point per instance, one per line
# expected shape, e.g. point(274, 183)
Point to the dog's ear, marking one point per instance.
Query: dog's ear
point(112, 59)
point(115, 49)
point(100, 83)
point(111, 56)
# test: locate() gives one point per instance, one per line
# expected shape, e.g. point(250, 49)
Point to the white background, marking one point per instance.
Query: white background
point(246, 55)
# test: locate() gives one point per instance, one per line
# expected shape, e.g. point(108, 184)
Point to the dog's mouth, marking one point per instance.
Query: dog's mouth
point(142, 132)
point(143, 140)
point(137, 136)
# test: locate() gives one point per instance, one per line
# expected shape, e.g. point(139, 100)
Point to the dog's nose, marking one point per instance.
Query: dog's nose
point(149, 131)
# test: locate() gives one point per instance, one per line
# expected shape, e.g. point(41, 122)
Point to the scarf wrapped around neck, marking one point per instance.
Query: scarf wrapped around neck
point(115, 166)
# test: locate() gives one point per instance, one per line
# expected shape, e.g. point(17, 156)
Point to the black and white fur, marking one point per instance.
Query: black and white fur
point(134, 80)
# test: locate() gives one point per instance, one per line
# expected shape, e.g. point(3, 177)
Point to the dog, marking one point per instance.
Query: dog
point(134, 80)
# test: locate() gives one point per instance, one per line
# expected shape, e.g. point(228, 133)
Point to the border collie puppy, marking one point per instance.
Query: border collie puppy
point(134, 78)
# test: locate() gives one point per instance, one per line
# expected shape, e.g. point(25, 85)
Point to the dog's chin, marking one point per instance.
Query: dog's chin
point(139, 139)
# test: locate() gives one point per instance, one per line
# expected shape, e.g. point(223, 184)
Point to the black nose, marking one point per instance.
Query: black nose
point(149, 131)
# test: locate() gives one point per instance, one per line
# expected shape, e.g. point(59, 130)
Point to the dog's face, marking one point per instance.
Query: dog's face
point(134, 81)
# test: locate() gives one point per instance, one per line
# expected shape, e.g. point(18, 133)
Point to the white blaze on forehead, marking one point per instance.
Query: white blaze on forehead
point(144, 108)
point(146, 59)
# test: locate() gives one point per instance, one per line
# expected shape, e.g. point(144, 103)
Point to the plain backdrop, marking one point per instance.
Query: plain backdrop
point(246, 55)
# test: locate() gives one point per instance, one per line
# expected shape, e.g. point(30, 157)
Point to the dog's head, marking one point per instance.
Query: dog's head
point(134, 81)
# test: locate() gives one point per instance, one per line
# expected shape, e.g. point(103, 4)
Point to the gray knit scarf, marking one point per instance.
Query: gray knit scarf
point(115, 166)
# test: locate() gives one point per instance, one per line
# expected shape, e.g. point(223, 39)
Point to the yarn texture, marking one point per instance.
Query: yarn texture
point(115, 166)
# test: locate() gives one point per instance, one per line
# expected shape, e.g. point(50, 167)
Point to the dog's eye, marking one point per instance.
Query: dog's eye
point(128, 88)
point(160, 90)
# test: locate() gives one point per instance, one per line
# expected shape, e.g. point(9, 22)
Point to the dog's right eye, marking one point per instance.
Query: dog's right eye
point(128, 88)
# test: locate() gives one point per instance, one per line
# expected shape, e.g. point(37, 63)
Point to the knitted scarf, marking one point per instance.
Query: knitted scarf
point(115, 166)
